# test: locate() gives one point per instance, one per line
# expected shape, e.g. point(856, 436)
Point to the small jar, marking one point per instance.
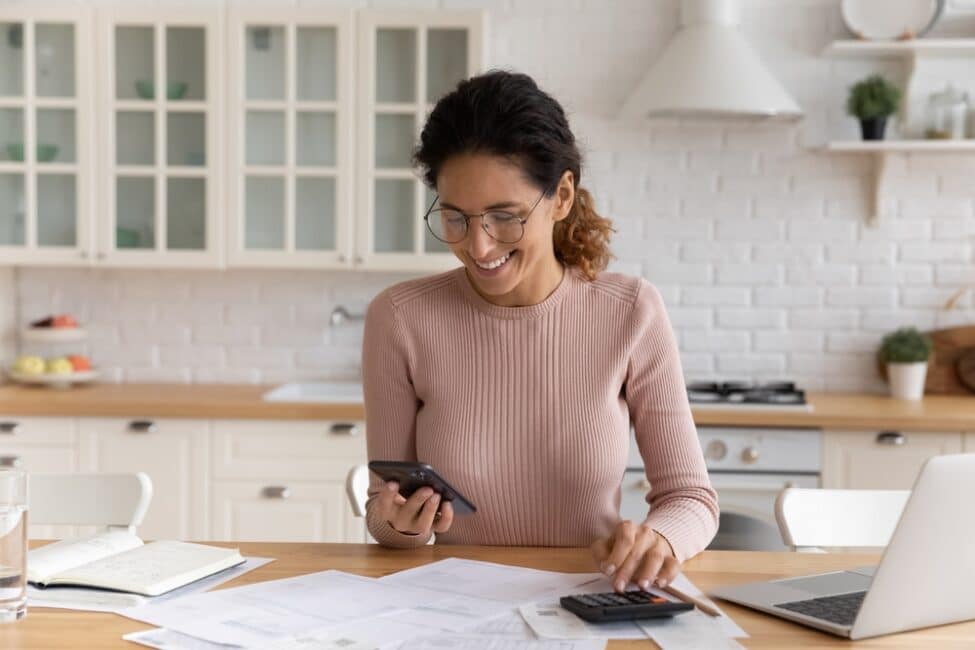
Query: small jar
point(947, 113)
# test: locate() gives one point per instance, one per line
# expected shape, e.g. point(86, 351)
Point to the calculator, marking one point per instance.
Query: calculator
point(627, 606)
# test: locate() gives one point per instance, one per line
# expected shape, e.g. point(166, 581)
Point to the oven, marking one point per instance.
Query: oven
point(748, 467)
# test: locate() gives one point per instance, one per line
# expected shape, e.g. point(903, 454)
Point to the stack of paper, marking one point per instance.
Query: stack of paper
point(453, 604)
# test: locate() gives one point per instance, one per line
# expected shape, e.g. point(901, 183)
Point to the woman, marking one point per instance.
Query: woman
point(517, 376)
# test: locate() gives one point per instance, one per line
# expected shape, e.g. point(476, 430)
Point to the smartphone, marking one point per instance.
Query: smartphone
point(412, 475)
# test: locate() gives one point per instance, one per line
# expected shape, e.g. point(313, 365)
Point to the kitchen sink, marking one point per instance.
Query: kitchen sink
point(321, 392)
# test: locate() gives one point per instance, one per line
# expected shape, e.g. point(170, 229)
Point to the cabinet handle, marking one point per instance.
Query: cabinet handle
point(10, 427)
point(276, 492)
point(9, 461)
point(346, 429)
point(142, 426)
point(891, 438)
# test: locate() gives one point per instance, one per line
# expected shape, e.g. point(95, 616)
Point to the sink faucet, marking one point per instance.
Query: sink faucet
point(340, 314)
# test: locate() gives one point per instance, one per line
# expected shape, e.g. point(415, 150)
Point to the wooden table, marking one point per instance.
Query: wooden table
point(63, 629)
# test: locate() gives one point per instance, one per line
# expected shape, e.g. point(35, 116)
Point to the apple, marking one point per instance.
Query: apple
point(79, 362)
point(59, 366)
point(64, 320)
point(29, 364)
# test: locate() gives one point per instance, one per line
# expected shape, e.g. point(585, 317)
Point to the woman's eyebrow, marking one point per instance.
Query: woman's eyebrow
point(493, 206)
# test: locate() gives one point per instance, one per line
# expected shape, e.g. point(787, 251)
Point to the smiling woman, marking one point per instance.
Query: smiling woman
point(518, 376)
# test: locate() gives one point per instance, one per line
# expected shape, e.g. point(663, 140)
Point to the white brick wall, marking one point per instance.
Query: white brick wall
point(755, 238)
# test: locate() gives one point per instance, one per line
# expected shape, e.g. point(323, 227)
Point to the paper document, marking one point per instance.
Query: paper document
point(551, 621)
point(259, 613)
point(692, 630)
point(101, 600)
point(164, 639)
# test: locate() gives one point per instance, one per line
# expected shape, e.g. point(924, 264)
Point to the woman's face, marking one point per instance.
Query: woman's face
point(475, 183)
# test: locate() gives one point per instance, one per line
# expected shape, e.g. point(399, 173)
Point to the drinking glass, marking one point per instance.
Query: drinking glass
point(13, 545)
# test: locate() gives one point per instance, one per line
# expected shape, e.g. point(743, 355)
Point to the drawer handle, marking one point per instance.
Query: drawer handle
point(346, 429)
point(10, 427)
point(893, 438)
point(142, 426)
point(276, 492)
point(9, 461)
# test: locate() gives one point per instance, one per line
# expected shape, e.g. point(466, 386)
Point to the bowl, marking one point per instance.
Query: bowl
point(43, 152)
point(174, 89)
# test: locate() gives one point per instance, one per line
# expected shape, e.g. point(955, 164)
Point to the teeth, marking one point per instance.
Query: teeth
point(495, 264)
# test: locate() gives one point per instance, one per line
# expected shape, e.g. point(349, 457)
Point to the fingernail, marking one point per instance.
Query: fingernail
point(662, 582)
point(620, 585)
point(609, 569)
point(391, 487)
point(645, 585)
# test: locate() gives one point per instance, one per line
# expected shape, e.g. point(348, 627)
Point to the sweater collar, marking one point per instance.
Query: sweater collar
point(569, 278)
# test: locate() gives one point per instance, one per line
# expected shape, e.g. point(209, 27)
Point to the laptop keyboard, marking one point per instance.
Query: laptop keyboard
point(841, 609)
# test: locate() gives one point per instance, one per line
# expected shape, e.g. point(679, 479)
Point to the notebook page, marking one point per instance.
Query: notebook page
point(45, 562)
point(154, 568)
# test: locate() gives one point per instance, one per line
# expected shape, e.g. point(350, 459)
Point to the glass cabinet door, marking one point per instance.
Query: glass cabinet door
point(44, 146)
point(410, 61)
point(165, 141)
point(290, 150)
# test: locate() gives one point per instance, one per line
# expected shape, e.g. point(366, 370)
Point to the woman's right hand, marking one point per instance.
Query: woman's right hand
point(417, 515)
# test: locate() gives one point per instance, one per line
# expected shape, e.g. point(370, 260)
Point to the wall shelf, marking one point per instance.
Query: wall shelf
point(929, 63)
point(881, 150)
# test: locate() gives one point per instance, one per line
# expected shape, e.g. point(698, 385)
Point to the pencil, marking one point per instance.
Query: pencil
point(687, 598)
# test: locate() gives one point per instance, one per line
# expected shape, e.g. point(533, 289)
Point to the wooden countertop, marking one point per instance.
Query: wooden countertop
point(830, 410)
point(49, 629)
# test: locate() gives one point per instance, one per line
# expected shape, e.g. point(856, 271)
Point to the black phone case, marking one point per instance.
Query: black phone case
point(411, 476)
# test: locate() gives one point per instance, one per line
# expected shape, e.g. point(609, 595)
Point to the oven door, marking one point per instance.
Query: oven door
point(747, 502)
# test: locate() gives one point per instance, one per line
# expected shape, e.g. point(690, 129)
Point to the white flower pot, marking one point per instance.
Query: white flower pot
point(907, 379)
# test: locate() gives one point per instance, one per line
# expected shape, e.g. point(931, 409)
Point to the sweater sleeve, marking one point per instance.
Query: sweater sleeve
point(391, 405)
point(683, 505)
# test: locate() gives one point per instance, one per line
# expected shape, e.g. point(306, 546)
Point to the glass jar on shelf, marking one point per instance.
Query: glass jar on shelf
point(946, 114)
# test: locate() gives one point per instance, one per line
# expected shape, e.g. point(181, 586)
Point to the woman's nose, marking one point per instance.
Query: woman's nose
point(479, 243)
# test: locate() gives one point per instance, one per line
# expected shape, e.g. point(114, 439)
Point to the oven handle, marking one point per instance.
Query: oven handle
point(754, 487)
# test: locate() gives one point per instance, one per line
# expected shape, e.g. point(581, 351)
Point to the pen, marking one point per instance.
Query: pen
point(687, 598)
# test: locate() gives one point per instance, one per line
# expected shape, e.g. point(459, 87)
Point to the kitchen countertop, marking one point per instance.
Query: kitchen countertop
point(226, 401)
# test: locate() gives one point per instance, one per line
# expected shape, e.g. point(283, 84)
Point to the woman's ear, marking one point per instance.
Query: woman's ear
point(565, 194)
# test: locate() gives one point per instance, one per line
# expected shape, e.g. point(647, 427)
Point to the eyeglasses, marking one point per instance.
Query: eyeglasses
point(450, 225)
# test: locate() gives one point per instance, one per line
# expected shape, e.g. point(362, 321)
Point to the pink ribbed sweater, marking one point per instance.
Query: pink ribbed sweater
point(527, 410)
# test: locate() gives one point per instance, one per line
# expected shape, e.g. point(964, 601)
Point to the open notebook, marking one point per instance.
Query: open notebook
point(119, 560)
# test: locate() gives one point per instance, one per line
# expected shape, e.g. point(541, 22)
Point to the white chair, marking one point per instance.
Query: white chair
point(809, 518)
point(357, 489)
point(110, 500)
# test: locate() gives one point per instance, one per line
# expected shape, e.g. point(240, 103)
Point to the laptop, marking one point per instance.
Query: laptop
point(926, 575)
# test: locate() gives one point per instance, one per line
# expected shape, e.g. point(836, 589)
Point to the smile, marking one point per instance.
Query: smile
point(495, 264)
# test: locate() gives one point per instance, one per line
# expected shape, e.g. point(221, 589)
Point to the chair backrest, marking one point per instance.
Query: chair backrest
point(809, 518)
point(111, 500)
point(357, 489)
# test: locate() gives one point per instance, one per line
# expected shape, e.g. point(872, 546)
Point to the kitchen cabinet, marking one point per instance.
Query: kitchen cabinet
point(264, 480)
point(407, 60)
point(172, 452)
point(290, 116)
point(46, 155)
point(881, 459)
point(319, 113)
point(40, 445)
point(160, 109)
point(969, 443)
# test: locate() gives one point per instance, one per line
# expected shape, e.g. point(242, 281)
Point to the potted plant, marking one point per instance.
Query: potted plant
point(906, 353)
point(872, 101)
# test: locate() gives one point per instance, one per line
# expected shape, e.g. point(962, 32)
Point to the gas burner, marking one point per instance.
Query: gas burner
point(776, 393)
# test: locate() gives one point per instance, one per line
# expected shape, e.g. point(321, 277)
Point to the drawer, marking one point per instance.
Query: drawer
point(37, 430)
point(38, 459)
point(257, 449)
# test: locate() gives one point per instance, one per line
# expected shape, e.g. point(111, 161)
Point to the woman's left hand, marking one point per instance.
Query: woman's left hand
point(635, 553)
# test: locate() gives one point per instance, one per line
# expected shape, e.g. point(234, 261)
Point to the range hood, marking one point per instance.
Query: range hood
point(708, 70)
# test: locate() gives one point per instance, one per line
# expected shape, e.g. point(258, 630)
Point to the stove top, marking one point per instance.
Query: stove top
point(776, 394)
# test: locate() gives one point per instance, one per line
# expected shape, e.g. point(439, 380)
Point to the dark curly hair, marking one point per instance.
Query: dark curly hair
point(507, 114)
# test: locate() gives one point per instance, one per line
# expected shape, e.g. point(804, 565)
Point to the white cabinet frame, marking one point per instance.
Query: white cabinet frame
point(212, 107)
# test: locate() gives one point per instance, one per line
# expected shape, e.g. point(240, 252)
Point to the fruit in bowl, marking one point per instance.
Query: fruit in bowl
point(59, 366)
point(29, 364)
point(79, 362)
point(60, 321)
